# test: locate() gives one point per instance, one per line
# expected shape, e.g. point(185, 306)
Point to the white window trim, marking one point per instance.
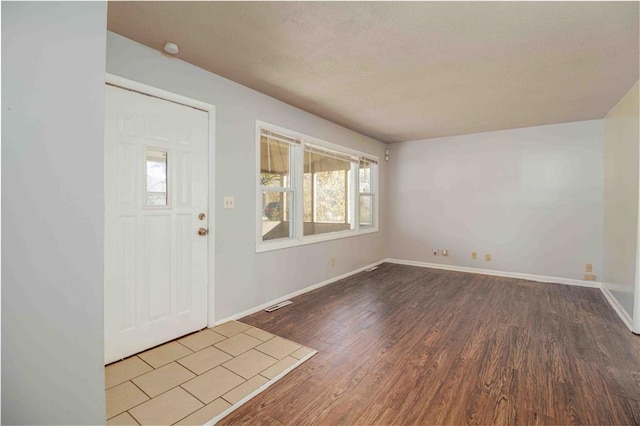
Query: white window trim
point(373, 191)
point(298, 239)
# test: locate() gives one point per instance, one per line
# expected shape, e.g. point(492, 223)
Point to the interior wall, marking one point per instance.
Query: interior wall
point(529, 197)
point(245, 279)
point(621, 176)
point(52, 212)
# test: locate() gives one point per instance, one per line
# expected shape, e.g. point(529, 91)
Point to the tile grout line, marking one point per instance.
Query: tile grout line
point(187, 391)
point(234, 373)
point(270, 356)
point(134, 377)
point(134, 419)
point(159, 395)
point(131, 408)
point(188, 369)
point(136, 355)
point(235, 356)
point(184, 346)
point(150, 397)
point(200, 374)
point(196, 375)
point(222, 397)
point(190, 412)
point(263, 341)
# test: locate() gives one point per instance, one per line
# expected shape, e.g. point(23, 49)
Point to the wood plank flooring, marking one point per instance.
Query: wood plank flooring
point(409, 345)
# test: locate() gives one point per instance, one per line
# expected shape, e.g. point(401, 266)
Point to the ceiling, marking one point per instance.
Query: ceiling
point(400, 71)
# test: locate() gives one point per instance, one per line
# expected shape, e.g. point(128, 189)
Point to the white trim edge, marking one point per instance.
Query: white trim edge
point(520, 275)
point(295, 293)
point(238, 404)
point(622, 313)
point(127, 83)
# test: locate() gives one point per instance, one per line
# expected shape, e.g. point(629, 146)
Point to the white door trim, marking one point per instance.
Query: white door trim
point(635, 327)
point(211, 111)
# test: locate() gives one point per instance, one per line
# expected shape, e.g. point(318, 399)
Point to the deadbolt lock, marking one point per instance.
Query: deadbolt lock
point(202, 216)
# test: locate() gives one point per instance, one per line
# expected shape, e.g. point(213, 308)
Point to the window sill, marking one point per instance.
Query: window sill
point(264, 246)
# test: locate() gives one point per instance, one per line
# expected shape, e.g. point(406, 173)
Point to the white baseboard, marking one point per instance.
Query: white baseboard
point(617, 307)
point(624, 316)
point(519, 275)
point(622, 313)
point(294, 294)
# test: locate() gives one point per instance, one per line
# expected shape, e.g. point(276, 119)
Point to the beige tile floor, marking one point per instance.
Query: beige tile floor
point(191, 380)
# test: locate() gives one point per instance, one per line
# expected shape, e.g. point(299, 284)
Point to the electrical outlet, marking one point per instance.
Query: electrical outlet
point(445, 252)
point(589, 277)
point(435, 252)
point(474, 255)
point(487, 257)
point(229, 202)
point(589, 267)
point(333, 262)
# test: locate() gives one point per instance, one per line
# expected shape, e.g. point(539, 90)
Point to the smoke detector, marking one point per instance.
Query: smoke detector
point(171, 48)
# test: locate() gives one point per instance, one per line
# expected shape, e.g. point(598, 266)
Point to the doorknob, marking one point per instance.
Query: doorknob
point(203, 231)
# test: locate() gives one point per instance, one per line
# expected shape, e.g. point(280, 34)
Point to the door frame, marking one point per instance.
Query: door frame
point(210, 109)
point(635, 320)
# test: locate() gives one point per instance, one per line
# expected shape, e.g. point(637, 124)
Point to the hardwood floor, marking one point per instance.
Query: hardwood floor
point(409, 345)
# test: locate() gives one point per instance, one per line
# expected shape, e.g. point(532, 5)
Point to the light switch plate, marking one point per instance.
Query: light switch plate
point(229, 202)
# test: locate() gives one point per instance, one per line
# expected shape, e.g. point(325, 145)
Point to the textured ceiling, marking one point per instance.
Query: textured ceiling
point(400, 71)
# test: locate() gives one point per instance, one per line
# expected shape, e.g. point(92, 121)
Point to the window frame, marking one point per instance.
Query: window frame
point(373, 190)
point(296, 162)
point(169, 181)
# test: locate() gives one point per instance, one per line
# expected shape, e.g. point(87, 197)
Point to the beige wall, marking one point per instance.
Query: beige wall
point(621, 177)
point(530, 197)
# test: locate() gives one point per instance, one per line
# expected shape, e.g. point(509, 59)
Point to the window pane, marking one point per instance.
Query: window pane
point(331, 197)
point(274, 163)
point(325, 194)
point(365, 176)
point(276, 215)
point(156, 178)
point(366, 209)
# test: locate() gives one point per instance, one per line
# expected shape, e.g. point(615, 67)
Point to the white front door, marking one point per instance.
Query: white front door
point(156, 186)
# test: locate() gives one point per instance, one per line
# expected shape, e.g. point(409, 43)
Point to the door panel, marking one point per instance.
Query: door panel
point(156, 185)
point(157, 265)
